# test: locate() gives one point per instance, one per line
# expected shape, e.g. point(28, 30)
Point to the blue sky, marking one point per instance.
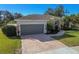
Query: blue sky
point(26, 9)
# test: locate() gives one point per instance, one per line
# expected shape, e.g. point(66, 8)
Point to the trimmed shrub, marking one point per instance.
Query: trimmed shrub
point(50, 29)
point(9, 30)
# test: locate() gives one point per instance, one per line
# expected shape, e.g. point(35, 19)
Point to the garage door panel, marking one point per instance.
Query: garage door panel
point(32, 29)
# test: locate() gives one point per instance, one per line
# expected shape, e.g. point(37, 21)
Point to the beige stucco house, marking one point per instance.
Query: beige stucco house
point(34, 24)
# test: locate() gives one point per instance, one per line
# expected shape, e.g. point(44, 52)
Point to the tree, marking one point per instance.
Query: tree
point(59, 11)
point(67, 22)
point(78, 18)
point(17, 15)
point(50, 11)
point(72, 20)
point(9, 16)
point(5, 17)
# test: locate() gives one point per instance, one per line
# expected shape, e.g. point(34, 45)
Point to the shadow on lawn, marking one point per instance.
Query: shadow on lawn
point(64, 36)
point(14, 37)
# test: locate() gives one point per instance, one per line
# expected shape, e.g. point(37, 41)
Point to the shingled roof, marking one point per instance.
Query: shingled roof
point(35, 17)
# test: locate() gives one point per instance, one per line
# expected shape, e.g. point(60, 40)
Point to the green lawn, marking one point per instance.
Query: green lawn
point(71, 38)
point(9, 45)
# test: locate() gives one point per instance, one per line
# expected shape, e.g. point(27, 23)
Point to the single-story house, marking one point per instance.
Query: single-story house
point(32, 24)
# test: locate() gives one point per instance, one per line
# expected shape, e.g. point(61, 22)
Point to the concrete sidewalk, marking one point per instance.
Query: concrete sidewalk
point(76, 48)
point(64, 50)
point(60, 33)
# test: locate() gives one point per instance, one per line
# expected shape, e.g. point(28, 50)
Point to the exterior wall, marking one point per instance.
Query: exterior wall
point(32, 22)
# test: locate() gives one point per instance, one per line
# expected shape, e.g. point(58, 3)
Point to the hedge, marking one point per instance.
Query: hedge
point(9, 30)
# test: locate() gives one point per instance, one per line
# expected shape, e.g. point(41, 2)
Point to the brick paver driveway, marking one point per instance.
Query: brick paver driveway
point(40, 43)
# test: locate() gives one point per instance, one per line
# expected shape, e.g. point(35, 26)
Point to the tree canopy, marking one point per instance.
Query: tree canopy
point(58, 11)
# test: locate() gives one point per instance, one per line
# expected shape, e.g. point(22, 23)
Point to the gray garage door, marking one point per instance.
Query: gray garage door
point(32, 29)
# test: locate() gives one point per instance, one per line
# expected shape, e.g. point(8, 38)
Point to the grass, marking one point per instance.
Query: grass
point(9, 45)
point(71, 38)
